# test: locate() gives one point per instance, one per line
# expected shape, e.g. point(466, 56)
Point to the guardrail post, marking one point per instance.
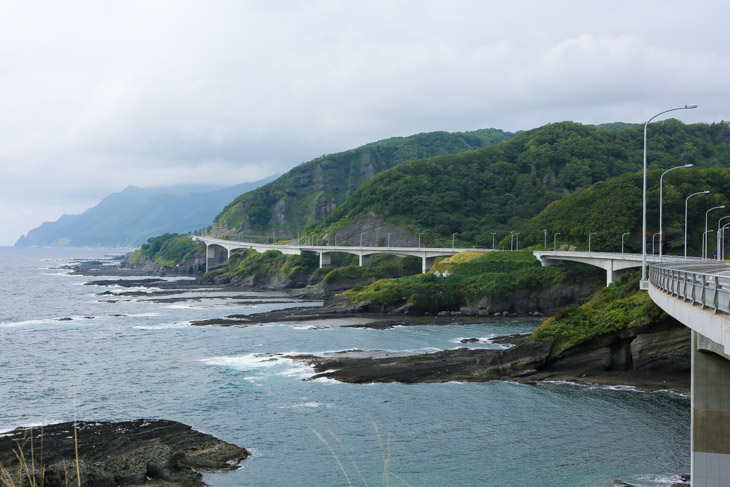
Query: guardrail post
point(716, 297)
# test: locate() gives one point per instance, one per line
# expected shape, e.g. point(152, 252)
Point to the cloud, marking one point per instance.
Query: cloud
point(99, 95)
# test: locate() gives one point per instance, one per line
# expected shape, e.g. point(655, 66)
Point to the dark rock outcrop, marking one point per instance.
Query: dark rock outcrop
point(653, 353)
point(111, 454)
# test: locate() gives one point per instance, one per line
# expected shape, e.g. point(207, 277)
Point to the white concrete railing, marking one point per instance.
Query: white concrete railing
point(706, 289)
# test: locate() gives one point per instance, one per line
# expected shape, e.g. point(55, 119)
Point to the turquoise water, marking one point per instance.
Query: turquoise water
point(131, 358)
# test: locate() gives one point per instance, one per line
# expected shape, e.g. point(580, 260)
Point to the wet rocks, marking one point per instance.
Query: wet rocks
point(112, 454)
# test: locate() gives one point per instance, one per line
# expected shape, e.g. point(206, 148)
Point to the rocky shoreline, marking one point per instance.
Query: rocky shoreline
point(652, 357)
point(111, 454)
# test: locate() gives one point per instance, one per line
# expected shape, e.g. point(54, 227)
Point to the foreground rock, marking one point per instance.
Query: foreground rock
point(111, 454)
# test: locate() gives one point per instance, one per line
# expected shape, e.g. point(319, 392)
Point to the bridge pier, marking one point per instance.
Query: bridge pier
point(427, 263)
point(710, 414)
point(364, 260)
point(325, 259)
point(209, 256)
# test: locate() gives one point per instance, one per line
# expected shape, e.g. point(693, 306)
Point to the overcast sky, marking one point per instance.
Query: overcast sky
point(95, 96)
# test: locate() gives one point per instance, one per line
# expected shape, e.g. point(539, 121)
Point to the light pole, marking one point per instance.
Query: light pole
point(686, 202)
point(622, 243)
point(511, 241)
point(493, 234)
point(707, 213)
point(705, 237)
point(723, 240)
point(361, 239)
point(652, 243)
point(589, 241)
point(298, 239)
point(644, 283)
point(419, 239)
point(544, 233)
point(718, 236)
point(517, 243)
point(661, 226)
point(555, 243)
point(389, 239)
point(453, 235)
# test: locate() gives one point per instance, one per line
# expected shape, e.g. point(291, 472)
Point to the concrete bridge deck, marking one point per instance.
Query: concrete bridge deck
point(427, 255)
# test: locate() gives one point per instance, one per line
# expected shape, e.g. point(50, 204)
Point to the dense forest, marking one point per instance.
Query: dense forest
point(309, 192)
point(611, 208)
point(500, 188)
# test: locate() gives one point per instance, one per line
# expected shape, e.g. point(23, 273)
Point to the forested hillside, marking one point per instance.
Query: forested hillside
point(311, 191)
point(611, 208)
point(499, 188)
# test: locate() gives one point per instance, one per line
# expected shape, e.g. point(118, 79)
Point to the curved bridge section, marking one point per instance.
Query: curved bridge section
point(427, 255)
point(698, 295)
point(614, 263)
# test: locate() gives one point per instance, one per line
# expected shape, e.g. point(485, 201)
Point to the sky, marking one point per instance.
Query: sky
point(98, 95)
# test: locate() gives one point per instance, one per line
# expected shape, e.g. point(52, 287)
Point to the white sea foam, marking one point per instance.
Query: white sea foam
point(249, 361)
point(17, 324)
point(164, 326)
point(307, 405)
point(183, 306)
point(142, 315)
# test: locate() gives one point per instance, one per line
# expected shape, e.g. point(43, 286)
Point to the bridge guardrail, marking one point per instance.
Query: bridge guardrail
point(705, 289)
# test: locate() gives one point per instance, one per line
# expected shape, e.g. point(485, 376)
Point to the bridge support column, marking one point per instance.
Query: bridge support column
point(209, 257)
point(613, 274)
point(364, 260)
point(427, 263)
point(710, 415)
point(325, 260)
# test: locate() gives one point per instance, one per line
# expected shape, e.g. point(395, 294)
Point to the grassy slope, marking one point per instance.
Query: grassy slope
point(466, 277)
point(618, 306)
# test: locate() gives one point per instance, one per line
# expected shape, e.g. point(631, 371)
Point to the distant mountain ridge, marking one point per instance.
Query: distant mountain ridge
point(130, 217)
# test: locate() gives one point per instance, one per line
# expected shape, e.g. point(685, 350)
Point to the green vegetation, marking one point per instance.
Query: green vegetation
point(500, 187)
point(618, 306)
point(167, 250)
point(305, 267)
point(465, 278)
point(610, 208)
point(272, 262)
point(306, 194)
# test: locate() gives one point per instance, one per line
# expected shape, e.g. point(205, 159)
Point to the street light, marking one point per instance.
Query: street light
point(661, 226)
point(589, 241)
point(686, 202)
point(389, 239)
point(361, 239)
point(555, 243)
point(544, 233)
point(704, 242)
point(453, 235)
point(723, 240)
point(517, 244)
point(718, 235)
point(644, 283)
point(707, 213)
point(652, 243)
point(493, 234)
point(622, 243)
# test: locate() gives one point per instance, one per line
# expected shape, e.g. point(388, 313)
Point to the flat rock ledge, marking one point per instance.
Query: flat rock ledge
point(114, 454)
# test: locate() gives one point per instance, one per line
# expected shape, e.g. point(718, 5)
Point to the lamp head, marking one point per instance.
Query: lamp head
point(689, 107)
point(688, 165)
point(705, 192)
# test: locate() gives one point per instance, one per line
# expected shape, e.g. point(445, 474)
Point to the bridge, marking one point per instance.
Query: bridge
point(427, 255)
point(696, 292)
point(614, 263)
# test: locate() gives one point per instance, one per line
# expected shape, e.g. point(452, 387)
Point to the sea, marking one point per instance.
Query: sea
point(96, 352)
